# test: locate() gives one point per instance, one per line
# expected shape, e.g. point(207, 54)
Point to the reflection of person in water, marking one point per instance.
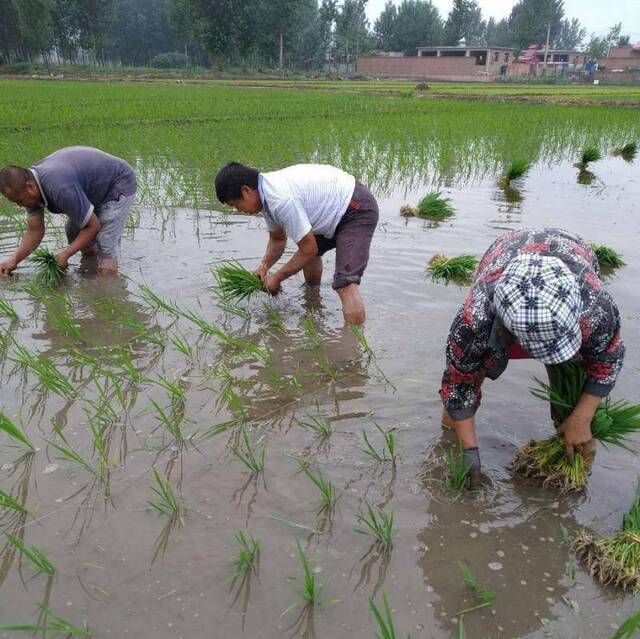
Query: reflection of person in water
point(536, 294)
point(320, 208)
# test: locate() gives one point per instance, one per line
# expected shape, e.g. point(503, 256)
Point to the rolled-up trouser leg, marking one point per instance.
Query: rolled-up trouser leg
point(113, 218)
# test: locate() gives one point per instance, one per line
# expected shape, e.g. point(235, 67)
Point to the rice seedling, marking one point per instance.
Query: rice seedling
point(170, 420)
point(236, 283)
point(384, 619)
point(234, 309)
point(445, 268)
point(311, 331)
point(388, 453)
point(589, 154)
point(181, 344)
point(485, 597)
point(275, 319)
point(514, 171)
point(629, 627)
point(378, 524)
point(201, 323)
point(308, 589)
point(46, 371)
point(166, 502)
point(254, 460)
point(607, 257)
point(13, 431)
point(177, 395)
point(49, 274)
point(434, 206)
point(546, 461)
point(8, 502)
point(59, 315)
point(247, 559)
point(53, 624)
point(628, 151)
point(321, 426)
point(358, 333)
point(6, 310)
point(36, 557)
point(615, 560)
point(71, 455)
point(157, 302)
point(328, 493)
point(457, 470)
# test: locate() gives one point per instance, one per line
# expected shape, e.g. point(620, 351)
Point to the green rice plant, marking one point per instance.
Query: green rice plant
point(311, 331)
point(629, 628)
point(53, 624)
point(388, 453)
point(8, 502)
point(321, 426)
point(170, 420)
point(71, 455)
point(236, 283)
point(358, 333)
point(46, 371)
point(514, 171)
point(378, 524)
point(157, 302)
point(247, 559)
point(590, 154)
point(166, 502)
point(384, 619)
point(234, 309)
point(628, 151)
point(275, 319)
point(38, 559)
point(254, 460)
point(206, 328)
point(445, 268)
point(485, 597)
point(434, 206)
point(13, 431)
point(615, 560)
point(328, 493)
point(546, 461)
point(177, 394)
point(308, 589)
point(457, 470)
point(49, 274)
point(59, 315)
point(181, 344)
point(607, 257)
point(6, 310)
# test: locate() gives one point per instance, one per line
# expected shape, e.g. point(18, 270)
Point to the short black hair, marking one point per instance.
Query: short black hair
point(14, 178)
point(231, 178)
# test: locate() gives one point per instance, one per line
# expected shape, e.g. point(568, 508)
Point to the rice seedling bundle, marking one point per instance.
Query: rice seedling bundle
point(590, 154)
point(515, 170)
point(434, 206)
point(236, 283)
point(628, 151)
point(409, 211)
point(614, 560)
point(607, 257)
point(49, 274)
point(445, 268)
point(546, 461)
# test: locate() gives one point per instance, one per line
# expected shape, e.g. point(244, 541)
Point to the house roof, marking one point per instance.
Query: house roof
point(454, 48)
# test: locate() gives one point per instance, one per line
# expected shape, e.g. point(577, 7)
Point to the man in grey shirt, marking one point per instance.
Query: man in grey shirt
point(93, 189)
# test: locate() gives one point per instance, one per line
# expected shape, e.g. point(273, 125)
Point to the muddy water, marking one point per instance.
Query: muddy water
point(118, 564)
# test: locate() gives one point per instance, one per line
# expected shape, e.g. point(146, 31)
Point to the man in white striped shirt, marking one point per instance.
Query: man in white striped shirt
point(320, 208)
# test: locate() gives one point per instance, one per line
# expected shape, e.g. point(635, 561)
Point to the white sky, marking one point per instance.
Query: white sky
point(595, 15)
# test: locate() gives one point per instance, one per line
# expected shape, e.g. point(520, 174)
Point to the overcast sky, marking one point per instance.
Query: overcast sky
point(595, 15)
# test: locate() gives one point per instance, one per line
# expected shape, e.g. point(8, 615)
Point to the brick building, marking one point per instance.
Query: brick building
point(470, 64)
point(622, 64)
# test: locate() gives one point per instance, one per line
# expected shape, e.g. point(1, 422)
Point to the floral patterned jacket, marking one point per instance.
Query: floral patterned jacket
point(476, 348)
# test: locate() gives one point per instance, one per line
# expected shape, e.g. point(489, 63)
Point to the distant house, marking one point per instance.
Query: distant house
point(563, 58)
point(622, 63)
point(454, 64)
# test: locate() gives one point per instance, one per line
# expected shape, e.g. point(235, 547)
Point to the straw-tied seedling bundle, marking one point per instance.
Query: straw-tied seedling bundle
point(236, 283)
point(48, 274)
point(607, 257)
point(614, 560)
point(457, 269)
point(432, 206)
point(547, 461)
point(514, 171)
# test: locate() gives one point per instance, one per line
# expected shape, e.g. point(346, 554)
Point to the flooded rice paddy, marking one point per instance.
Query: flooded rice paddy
point(169, 379)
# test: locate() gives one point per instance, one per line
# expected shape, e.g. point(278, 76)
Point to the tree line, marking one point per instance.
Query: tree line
point(291, 34)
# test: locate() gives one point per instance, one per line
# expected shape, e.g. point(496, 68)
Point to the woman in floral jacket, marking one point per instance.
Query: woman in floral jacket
point(537, 293)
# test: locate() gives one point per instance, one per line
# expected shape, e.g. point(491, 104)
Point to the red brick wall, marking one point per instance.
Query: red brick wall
point(429, 68)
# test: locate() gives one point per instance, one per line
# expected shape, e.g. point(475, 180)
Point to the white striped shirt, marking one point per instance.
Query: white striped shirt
point(305, 197)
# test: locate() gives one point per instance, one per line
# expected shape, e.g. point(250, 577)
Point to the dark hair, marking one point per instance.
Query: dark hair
point(14, 178)
point(231, 178)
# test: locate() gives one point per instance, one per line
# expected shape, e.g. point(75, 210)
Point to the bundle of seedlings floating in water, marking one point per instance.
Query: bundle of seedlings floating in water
point(459, 269)
point(49, 273)
point(615, 560)
point(628, 151)
point(236, 283)
point(590, 154)
point(516, 170)
point(607, 257)
point(546, 461)
point(432, 206)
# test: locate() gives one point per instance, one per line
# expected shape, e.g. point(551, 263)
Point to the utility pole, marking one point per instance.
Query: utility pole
point(546, 49)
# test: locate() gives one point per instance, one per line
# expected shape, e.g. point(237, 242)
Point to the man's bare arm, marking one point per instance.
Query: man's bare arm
point(30, 241)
